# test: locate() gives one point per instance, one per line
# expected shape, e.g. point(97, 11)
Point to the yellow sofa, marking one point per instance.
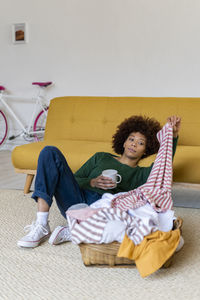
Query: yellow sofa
point(81, 126)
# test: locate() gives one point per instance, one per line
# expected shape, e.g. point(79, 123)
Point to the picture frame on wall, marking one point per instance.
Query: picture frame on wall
point(19, 33)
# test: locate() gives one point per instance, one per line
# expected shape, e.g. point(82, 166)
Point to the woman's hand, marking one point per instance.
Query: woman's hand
point(176, 124)
point(102, 182)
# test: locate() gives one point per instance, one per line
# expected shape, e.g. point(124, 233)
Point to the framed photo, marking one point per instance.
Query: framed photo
point(19, 33)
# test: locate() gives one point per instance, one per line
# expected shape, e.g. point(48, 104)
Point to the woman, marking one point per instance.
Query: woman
point(134, 139)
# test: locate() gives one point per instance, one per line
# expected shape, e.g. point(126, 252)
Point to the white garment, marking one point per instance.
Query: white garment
point(115, 230)
point(105, 200)
point(163, 221)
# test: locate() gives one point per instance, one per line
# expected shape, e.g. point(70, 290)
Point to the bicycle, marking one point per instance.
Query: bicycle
point(36, 127)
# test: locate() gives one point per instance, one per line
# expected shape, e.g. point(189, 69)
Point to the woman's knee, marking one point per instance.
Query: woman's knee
point(49, 151)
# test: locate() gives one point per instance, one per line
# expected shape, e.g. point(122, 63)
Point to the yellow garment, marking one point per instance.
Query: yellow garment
point(152, 252)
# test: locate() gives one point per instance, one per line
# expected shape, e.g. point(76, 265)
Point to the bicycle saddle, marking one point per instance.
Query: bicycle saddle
point(2, 88)
point(42, 84)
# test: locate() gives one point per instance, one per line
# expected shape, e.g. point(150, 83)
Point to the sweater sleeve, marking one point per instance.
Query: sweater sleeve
point(82, 174)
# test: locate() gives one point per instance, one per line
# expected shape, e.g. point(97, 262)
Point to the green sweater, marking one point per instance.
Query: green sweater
point(131, 177)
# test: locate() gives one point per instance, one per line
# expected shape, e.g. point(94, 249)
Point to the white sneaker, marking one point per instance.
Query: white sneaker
point(37, 234)
point(180, 245)
point(60, 235)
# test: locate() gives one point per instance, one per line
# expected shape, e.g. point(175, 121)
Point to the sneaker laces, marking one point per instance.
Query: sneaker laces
point(34, 227)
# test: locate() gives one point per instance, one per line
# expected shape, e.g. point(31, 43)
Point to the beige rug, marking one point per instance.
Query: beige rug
point(57, 272)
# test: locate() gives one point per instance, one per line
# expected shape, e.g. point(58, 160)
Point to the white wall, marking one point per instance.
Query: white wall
point(102, 47)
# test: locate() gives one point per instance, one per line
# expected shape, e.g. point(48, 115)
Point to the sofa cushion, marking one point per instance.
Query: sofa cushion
point(82, 126)
point(76, 152)
point(184, 164)
point(96, 118)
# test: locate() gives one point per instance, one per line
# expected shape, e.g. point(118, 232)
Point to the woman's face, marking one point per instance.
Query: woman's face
point(135, 146)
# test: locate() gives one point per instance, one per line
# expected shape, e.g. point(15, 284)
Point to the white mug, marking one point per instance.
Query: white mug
point(113, 175)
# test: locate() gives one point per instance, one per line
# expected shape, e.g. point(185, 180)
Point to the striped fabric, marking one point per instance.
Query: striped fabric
point(91, 230)
point(157, 189)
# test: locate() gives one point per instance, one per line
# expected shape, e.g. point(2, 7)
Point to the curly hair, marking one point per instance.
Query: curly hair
point(142, 124)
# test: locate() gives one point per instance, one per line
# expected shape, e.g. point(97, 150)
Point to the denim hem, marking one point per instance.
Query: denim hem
point(38, 194)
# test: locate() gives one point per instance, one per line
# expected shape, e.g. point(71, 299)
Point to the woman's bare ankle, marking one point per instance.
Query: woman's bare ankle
point(42, 205)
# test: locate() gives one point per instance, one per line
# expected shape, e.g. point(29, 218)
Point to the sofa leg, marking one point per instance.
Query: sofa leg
point(29, 180)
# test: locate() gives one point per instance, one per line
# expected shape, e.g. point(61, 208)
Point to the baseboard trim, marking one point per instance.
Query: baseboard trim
point(194, 186)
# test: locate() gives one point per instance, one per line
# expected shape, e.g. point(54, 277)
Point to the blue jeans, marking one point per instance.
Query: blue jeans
point(55, 178)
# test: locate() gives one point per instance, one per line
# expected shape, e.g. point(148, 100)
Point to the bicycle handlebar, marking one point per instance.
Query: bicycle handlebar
point(42, 84)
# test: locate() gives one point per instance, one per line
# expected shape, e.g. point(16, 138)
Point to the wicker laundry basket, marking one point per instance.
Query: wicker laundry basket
point(106, 254)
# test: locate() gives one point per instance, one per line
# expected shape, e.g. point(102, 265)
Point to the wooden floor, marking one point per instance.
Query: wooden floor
point(9, 179)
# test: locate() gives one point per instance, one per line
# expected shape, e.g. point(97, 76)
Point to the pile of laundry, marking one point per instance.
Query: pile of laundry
point(141, 219)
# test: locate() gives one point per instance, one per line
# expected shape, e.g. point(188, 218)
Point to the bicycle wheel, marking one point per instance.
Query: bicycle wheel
point(3, 127)
point(39, 125)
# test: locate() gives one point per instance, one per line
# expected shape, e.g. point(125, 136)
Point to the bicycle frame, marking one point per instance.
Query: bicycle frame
point(39, 100)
